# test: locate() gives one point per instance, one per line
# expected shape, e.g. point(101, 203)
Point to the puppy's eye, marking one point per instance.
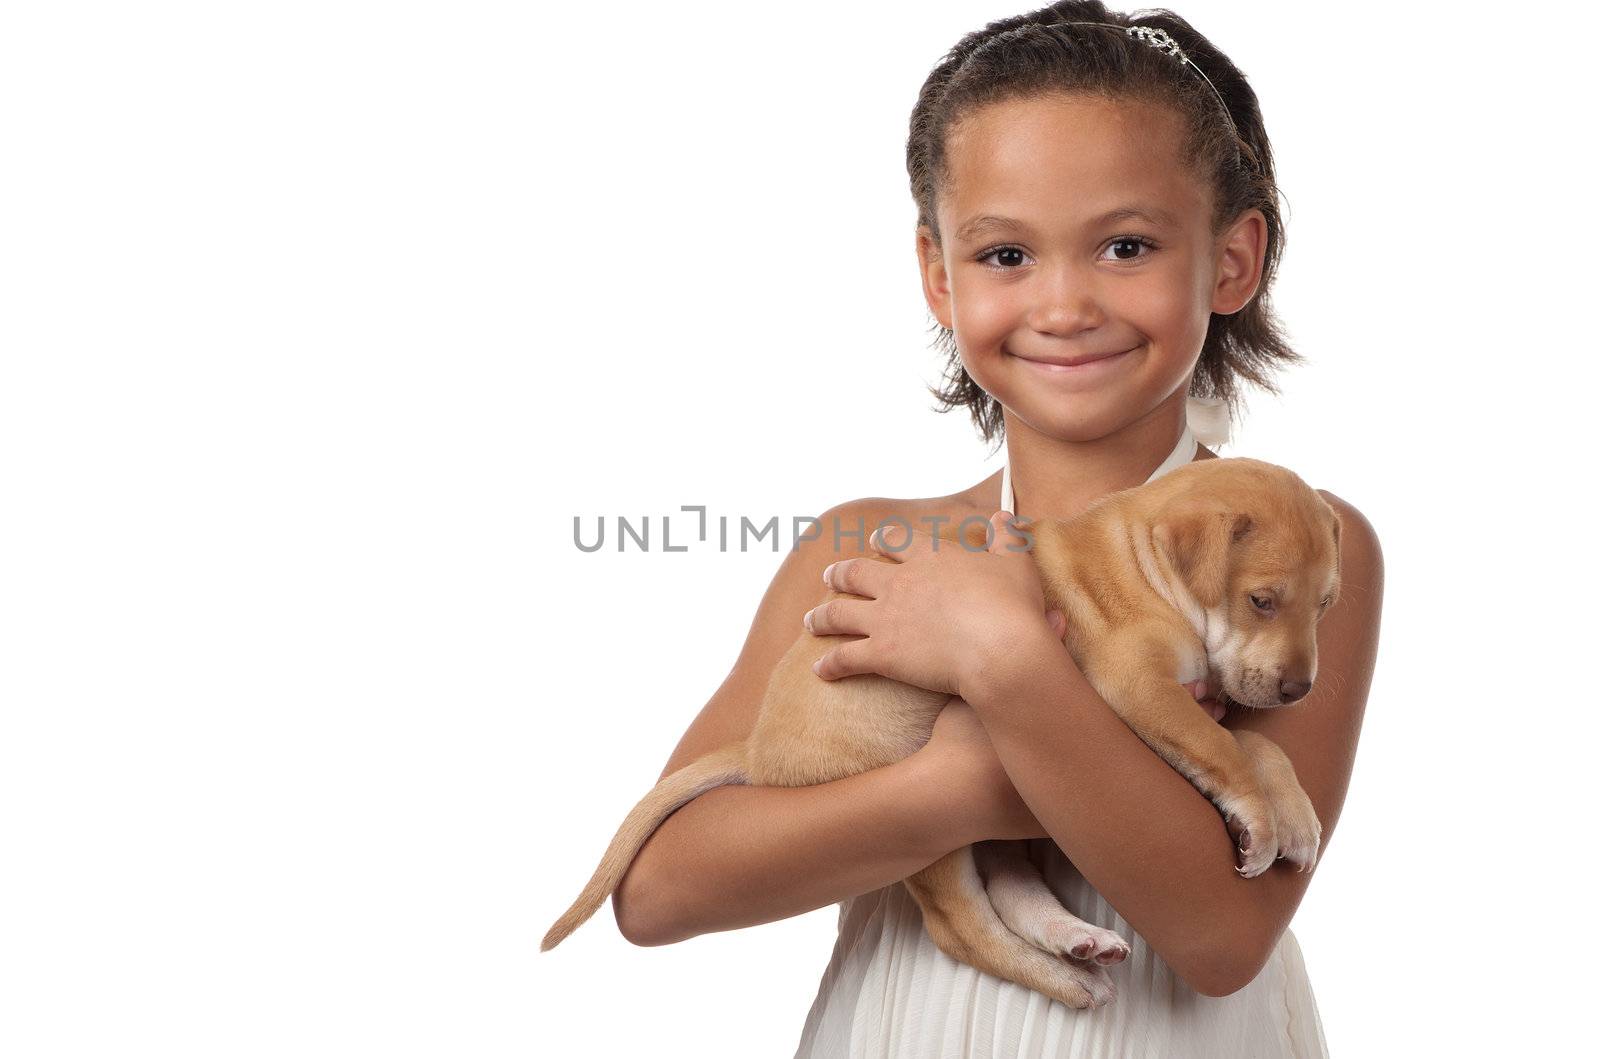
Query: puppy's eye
point(1262, 604)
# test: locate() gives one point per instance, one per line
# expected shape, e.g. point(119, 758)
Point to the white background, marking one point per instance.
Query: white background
point(321, 321)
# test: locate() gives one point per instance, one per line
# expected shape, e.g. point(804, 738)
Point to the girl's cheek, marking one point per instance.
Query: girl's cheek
point(983, 338)
point(984, 369)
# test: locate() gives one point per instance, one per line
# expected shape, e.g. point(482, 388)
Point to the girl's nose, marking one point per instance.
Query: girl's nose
point(1066, 318)
point(1066, 305)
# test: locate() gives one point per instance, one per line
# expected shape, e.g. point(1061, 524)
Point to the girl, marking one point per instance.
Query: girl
point(1098, 232)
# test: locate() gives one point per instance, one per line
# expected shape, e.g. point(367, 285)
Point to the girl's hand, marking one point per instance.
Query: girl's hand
point(966, 771)
point(1202, 695)
point(938, 615)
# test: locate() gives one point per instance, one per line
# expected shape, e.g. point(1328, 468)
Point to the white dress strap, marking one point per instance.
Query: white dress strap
point(1181, 454)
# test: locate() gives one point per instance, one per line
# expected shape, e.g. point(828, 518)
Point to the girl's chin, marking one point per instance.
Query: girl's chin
point(1095, 411)
point(1085, 425)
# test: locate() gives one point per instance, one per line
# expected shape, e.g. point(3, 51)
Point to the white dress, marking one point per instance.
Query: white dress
point(890, 993)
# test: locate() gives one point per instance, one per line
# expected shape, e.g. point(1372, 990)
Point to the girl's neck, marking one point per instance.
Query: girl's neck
point(1051, 478)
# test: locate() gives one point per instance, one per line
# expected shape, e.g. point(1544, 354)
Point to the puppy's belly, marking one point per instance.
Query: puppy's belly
point(812, 730)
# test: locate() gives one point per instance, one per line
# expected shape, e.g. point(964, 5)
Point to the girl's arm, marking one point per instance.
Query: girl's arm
point(1150, 843)
point(738, 856)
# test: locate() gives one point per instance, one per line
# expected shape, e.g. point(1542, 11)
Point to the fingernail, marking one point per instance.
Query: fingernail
point(1200, 690)
point(826, 572)
point(816, 667)
point(807, 620)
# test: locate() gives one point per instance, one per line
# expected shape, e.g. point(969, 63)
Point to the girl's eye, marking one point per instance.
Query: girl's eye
point(1009, 253)
point(1130, 244)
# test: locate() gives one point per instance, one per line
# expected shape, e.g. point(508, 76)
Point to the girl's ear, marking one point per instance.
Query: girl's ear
point(935, 278)
point(1196, 540)
point(1241, 257)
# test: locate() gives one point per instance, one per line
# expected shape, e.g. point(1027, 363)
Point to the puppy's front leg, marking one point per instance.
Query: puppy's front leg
point(1299, 830)
point(1172, 724)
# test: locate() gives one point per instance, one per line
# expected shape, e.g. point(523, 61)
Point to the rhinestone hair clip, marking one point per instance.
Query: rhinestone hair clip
point(1162, 41)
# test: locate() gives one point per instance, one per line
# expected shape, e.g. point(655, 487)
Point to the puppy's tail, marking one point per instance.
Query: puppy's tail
point(717, 769)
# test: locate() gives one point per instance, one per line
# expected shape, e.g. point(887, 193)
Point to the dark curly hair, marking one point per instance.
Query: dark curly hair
point(1021, 57)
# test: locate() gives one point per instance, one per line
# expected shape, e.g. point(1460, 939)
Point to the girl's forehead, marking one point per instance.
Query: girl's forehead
point(1082, 154)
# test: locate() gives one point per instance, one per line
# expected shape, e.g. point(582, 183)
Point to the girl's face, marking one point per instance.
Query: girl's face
point(1072, 230)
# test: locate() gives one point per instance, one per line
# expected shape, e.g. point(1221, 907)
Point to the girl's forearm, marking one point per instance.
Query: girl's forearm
point(738, 856)
point(1150, 843)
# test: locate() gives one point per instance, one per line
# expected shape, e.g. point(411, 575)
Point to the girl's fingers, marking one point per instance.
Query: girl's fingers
point(837, 617)
point(845, 660)
point(859, 577)
point(1003, 536)
point(893, 539)
point(1201, 692)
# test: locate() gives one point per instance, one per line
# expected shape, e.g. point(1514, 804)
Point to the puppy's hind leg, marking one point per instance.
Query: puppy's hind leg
point(961, 920)
point(1033, 911)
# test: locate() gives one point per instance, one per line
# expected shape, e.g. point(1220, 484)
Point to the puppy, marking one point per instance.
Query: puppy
point(1218, 569)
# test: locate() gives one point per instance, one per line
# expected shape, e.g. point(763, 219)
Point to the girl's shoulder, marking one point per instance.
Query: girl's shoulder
point(931, 514)
point(1358, 539)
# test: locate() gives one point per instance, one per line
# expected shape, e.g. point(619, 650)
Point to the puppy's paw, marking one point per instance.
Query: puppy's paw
point(1254, 827)
point(1074, 983)
point(1102, 990)
point(1299, 831)
point(1072, 937)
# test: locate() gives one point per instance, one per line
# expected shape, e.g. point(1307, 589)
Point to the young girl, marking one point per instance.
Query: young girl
point(1098, 231)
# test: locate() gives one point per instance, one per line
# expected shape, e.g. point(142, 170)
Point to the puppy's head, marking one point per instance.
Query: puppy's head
point(1258, 549)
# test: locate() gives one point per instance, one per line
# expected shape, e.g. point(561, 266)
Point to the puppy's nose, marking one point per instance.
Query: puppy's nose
point(1293, 691)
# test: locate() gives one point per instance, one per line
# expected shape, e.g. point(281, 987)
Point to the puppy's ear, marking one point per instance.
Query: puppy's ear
point(1196, 539)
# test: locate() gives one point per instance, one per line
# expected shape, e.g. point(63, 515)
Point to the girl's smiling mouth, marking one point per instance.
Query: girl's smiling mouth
point(1086, 364)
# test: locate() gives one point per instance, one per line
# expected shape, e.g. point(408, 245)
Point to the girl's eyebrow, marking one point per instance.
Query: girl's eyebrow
point(989, 222)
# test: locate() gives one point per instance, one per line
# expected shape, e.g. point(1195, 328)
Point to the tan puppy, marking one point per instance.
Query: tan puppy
point(1218, 569)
